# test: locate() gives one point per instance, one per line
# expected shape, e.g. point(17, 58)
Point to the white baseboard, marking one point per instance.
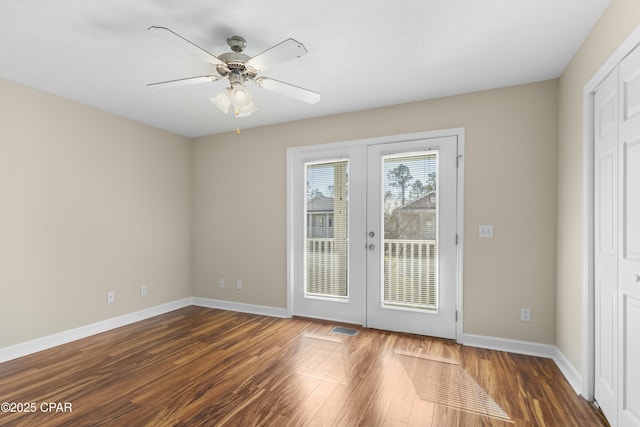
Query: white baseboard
point(54, 340)
point(240, 307)
point(531, 349)
point(512, 346)
point(573, 376)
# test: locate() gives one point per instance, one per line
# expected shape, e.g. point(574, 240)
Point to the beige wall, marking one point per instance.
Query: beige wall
point(239, 195)
point(619, 20)
point(89, 202)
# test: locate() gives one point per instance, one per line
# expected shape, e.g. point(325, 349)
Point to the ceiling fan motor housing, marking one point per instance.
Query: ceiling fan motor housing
point(235, 63)
point(237, 43)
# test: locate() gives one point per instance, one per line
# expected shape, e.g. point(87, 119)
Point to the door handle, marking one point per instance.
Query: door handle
point(637, 277)
point(371, 247)
point(372, 234)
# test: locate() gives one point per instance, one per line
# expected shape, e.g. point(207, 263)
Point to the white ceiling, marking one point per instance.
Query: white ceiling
point(362, 53)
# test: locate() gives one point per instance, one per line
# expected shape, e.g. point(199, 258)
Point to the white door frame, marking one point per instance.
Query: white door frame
point(588, 283)
point(457, 132)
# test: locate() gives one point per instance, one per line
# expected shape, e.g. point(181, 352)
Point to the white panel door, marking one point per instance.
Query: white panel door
point(606, 245)
point(411, 237)
point(629, 244)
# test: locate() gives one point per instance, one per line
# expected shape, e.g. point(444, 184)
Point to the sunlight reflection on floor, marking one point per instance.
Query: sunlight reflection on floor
point(322, 357)
point(445, 382)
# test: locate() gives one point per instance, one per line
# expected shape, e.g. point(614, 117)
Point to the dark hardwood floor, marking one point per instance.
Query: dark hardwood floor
point(203, 367)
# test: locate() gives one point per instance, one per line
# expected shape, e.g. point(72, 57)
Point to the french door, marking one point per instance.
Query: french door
point(326, 233)
point(372, 234)
point(411, 233)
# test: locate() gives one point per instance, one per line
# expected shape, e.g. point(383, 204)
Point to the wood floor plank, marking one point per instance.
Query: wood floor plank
point(203, 367)
point(421, 413)
point(402, 401)
point(377, 411)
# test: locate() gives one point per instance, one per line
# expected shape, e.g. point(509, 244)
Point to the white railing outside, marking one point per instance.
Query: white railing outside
point(326, 268)
point(410, 272)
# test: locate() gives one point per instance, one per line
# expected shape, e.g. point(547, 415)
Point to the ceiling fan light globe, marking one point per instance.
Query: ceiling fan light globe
point(246, 110)
point(239, 95)
point(222, 100)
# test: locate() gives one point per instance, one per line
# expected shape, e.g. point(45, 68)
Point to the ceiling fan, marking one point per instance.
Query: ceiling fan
point(240, 68)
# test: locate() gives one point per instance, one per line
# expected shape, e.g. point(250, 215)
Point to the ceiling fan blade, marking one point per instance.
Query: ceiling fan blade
point(287, 89)
point(278, 54)
point(203, 53)
point(183, 82)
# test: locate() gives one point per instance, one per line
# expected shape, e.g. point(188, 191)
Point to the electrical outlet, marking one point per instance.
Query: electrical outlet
point(111, 297)
point(485, 231)
point(221, 283)
point(143, 291)
point(525, 314)
point(239, 285)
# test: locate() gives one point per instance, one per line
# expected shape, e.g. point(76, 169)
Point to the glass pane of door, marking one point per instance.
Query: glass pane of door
point(410, 277)
point(327, 230)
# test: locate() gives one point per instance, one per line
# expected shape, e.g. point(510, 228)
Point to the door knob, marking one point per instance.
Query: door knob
point(372, 234)
point(372, 247)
